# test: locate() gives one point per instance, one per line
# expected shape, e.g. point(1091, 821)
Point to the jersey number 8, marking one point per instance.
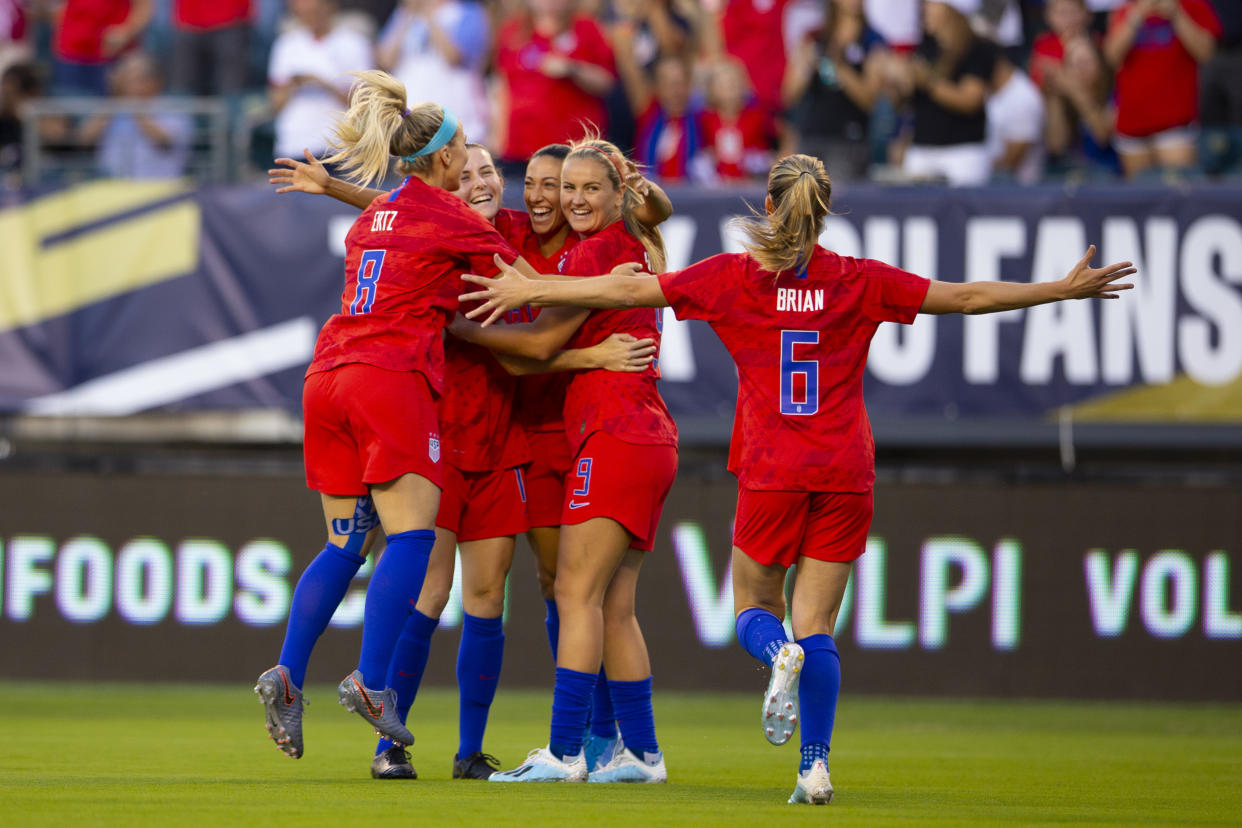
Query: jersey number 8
point(791, 367)
point(369, 269)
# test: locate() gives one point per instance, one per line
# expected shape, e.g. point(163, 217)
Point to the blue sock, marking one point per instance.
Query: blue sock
point(409, 661)
point(320, 590)
point(394, 588)
point(817, 696)
point(761, 634)
point(632, 700)
point(571, 707)
point(553, 622)
point(603, 718)
point(479, 657)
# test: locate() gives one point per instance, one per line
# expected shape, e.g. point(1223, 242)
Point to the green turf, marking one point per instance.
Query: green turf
point(113, 754)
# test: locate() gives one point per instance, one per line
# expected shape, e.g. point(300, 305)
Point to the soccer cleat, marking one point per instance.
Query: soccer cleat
point(282, 704)
point(625, 766)
point(378, 707)
point(478, 765)
point(599, 750)
point(813, 786)
point(393, 763)
point(780, 702)
point(541, 765)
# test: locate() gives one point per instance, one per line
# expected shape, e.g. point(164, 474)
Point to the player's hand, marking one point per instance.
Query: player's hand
point(1087, 282)
point(624, 353)
point(508, 291)
point(628, 269)
point(298, 177)
point(635, 181)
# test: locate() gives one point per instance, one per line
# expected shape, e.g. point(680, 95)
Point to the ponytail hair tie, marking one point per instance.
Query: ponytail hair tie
point(406, 114)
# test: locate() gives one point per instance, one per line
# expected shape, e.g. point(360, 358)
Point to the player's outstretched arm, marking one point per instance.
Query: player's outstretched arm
point(1083, 282)
point(620, 352)
point(538, 340)
point(312, 178)
point(511, 289)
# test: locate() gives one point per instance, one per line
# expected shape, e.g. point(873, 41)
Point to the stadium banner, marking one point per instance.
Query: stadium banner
point(121, 297)
point(1068, 590)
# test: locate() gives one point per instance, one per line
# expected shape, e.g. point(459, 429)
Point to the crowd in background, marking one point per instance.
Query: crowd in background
point(705, 92)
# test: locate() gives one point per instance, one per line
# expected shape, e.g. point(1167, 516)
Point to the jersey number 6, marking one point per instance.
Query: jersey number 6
point(369, 269)
point(791, 367)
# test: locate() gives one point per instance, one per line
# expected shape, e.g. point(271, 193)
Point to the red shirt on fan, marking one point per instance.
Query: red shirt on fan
point(210, 14)
point(732, 139)
point(80, 30)
point(754, 33)
point(1158, 82)
point(540, 397)
point(800, 345)
point(627, 406)
point(544, 110)
point(404, 259)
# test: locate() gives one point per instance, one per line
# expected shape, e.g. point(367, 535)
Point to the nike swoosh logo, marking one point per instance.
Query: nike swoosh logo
point(487, 678)
point(573, 505)
point(362, 691)
point(404, 674)
point(288, 696)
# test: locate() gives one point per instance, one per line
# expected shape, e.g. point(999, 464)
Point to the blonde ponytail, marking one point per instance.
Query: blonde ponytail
point(613, 161)
point(378, 126)
point(801, 194)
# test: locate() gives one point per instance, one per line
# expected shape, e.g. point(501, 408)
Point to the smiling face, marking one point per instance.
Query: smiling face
point(541, 192)
point(480, 184)
point(589, 199)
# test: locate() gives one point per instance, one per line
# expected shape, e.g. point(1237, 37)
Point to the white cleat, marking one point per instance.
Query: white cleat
point(780, 702)
point(541, 765)
point(625, 766)
point(813, 786)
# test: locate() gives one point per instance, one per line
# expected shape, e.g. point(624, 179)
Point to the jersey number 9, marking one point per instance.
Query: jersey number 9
point(791, 367)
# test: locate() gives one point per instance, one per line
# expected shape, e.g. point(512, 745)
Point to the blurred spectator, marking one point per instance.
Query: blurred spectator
point(1220, 92)
point(830, 87)
point(19, 83)
point(947, 81)
point(1000, 21)
point(211, 40)
point(555, 69)
point(1077, 92)
point(1067, 20)
point(439, 49)
point(1015, 125)
point(652, 29)
point(1155, 47)
point(145, 143)
point(90, 35)
point(752, 32)
point(738, 133)
point(1101, 10)
point(308, 84)
point(13, 45)
point(668, 135)
point(897, 22)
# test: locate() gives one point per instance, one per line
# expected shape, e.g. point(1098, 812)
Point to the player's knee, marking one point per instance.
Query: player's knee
point(547, 584)
point(432, 600)
point(484, 601)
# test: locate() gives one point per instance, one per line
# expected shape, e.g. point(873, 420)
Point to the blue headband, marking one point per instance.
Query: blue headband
point(448, 128)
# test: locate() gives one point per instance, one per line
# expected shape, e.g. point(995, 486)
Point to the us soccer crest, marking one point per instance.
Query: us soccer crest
point(433, 448)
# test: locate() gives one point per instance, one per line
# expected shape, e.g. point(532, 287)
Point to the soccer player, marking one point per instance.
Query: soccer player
point(797, 320)
point(372, 435)
point(625, 458)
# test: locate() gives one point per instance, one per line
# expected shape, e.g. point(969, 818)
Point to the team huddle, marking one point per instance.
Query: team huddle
point(539, 412)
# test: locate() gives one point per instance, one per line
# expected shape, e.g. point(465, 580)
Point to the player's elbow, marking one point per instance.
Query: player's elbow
point(543, 349)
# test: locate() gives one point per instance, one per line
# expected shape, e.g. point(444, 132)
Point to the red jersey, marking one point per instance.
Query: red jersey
point(1046, 49)
point(540, 404)
point(627, 406)
point(732, 139)
point(800, 344)
point(753, 33)
point(1158, 82)
point(544, 110)
point(210, 14)
point(79, 35)
point(404, 259)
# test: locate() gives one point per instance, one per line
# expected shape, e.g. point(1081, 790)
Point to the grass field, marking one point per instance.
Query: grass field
point(114, 754)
